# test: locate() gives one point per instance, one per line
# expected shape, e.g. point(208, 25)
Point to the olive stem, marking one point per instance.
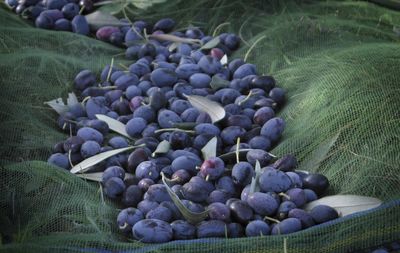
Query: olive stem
point(272, 219)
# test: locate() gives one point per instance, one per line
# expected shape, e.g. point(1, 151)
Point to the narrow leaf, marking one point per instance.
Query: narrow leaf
point(190, 216)
point(58, 105)
point(218, 83)
point(162, 148)
point(114, 124)
point(346, 204)
point(210, 149)
point(173, 38)
point(211, 44)
point(254, 187)
point(232, 155)
point(97, 176)
point(173, 46)
point(224, 60)
point(184, 125)
point(72, 99)
point(89, 162)
point(213, 109)
point(99, 19)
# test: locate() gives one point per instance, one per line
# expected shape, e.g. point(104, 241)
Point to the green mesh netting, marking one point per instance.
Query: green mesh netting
point(338, 60)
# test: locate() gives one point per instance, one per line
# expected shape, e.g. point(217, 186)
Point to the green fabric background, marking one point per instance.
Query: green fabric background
point(338, 60)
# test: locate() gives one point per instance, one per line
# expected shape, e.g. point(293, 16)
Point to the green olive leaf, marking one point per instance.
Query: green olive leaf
point(114, 125)
point(190, 216)
point(211, 44)
point(254, 187)
point(57, 105)
point(210, 149)
point(86, 164)
point(99, 19)
point(346, 204)
point(184, 125)
point(218, 83)
point(173, 38)
point(162, 148)
point(212, 108)
point(97, 176)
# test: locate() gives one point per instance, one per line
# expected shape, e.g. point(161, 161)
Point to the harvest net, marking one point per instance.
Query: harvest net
point(338, 60)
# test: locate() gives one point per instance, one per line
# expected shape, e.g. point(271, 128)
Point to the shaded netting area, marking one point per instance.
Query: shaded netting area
point(338, 60)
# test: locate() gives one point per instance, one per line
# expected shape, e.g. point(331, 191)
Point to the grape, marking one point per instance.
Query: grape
point(188, 163)
point(70, 10)
point(60, 160)
point(257, 228)
point(114, 187)
point(145, 183)
point(242, 173)
point(260, 142)
point(136, 157)
point(262, 115)
point(87, 134)
point(235, 230)
point(73, 144)
point(183, 230)
point(146, 205)
point(323, 213)
point(84, 79)
point(258, 155)
point(160, 213)
point(166, 25)
point(226, 184)
point(179, 139)
point(62, 25)
point(286, 163)
point(219, 211)
point(273, 129)
point(262, 203)
point(310, 195)
point(241, 211)
point(166, 118)
point(316, 182)
point(132, 196)
point(209, 65)
point(89, 148)
point(211, 228)
point(284, 209)
point(220, 196)
point(263, 82)
point(296, 180)
point(287, 226)
point(278, 95)
point(181, 176)
point(305, 218)
point(152, 231)
point(135, 126)
point(162, 77)
point(147, 169)
point(274, 180)
point(176, 214)
point(193, 207)
point(80, 25)
point(231, 133)
point(113, 171)
point(213, 168)
point(199, 80)
point(297, 196)
point(240, 121)
point(244, 70)
point(127, 218)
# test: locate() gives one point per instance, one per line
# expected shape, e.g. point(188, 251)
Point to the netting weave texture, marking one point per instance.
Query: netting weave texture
point(338, 60)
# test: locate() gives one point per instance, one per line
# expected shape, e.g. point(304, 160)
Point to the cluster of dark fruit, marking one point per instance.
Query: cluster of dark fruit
point(151, 95)
point(60, 15)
